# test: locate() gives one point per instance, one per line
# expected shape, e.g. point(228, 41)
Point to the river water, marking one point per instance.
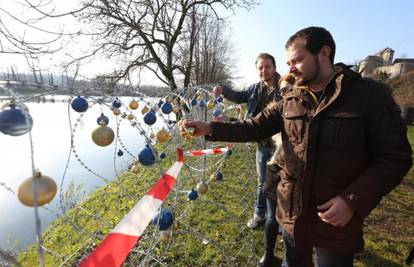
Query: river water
point(51, 137)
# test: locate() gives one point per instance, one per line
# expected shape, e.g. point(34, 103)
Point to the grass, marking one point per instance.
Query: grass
point(212, 229)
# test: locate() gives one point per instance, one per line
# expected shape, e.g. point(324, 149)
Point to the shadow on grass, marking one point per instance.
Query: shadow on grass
point(370, 258)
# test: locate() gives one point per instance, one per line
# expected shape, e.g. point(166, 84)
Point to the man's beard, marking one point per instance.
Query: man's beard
point(311, 80)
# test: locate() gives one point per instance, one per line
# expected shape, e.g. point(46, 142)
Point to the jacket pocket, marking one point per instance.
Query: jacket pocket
point(342, 130)
point(294, 122)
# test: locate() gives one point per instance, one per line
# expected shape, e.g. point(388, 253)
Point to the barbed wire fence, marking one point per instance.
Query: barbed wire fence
point(193, 102)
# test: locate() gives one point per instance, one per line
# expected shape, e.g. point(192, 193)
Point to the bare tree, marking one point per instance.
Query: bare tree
point(150, 34)
point(206, 56)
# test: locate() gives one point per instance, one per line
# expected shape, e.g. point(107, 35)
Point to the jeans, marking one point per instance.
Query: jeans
point(271, 226)
point(302, 257)
point(263, 154)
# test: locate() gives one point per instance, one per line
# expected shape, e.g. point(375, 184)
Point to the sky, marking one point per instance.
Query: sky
point(359, 27)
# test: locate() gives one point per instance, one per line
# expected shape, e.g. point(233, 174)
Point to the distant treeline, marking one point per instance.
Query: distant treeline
point(37, 82)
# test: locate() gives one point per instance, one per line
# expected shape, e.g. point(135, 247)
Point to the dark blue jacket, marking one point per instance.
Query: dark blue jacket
point(252, 96)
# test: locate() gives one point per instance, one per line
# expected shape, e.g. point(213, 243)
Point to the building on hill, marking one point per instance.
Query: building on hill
point(382, 63)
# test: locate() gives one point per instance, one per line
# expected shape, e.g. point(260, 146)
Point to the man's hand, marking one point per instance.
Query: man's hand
point(199, 127)
point(217, 91)
point(337, 212)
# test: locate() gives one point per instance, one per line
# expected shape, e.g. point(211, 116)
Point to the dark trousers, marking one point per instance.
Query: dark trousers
point(271, 226)
point(302, 257)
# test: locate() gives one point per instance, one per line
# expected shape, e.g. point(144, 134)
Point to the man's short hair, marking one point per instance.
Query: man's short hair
point(266, 56)
point(315, 38)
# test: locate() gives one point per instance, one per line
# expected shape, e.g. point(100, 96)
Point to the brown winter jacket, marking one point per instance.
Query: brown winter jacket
point(352, 144)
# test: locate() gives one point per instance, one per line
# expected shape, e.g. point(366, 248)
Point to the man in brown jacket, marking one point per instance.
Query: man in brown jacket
point(345, 146)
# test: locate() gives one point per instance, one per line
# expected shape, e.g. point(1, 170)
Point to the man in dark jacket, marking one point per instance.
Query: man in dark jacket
point(257, 96)
point(345, 148)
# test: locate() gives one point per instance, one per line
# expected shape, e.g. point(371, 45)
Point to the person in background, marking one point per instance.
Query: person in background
point(257, 96)
point(345, 147)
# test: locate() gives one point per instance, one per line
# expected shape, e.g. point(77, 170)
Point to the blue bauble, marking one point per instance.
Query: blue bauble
point(192, 194)
point(220, 99)
point(162, 155)
point(216, 112)
point(116, 103)
point(146, 156)
point(150, 118)
point(219, 176)
point(166, 108)
point(15, 122)
point(103, 119)
point(160, 103)
point(120, 153)
point(79, 104)
point(163, 218)
point(194, 101)
point(202, 103)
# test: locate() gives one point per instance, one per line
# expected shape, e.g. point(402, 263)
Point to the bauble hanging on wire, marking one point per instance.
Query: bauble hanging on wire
point(166, 108)
point(14, 121)
point(116, 111)
point(192, 194)
point(146, 156)
point(162, 155)
point(163, 218)
point(103, 135)
point(210, 105)
point(102, 119)
point(150, 118)
point(120, 153)
point(116, 103)
point(79, 104)
point(133, 104)
point(45, 190)
point(202, 188)
point(144, 110)
point(163, 136)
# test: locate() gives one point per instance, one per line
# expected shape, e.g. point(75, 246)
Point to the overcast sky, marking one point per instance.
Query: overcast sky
point(359, 27)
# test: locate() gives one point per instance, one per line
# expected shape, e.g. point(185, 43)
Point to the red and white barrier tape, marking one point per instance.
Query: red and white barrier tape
point(210, 151)
point(114, 249)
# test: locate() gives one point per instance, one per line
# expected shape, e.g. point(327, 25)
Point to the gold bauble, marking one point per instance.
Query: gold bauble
point(133, 104)
point(176, 225)
point(144, 110)
point(130, 117)
point(210, 104)
point(165, 235)
point(135, 169)
point(163, 136)
point(202, 188)
point(103, 135)
point(176, 109)
point(116, 111)
point(45, 190)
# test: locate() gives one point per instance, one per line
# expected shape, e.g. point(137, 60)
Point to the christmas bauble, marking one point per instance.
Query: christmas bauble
point(102, 119)
point(45, 190)
point(163, 136)
point(150, 118)
point(116, 103)
point(79, 104)
point(163, 218)
point(133, 104)
point(146, 156)
point(192, 194)
point(14, 121)
point(103, 135)
point(202, 188)
point(166, 108)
